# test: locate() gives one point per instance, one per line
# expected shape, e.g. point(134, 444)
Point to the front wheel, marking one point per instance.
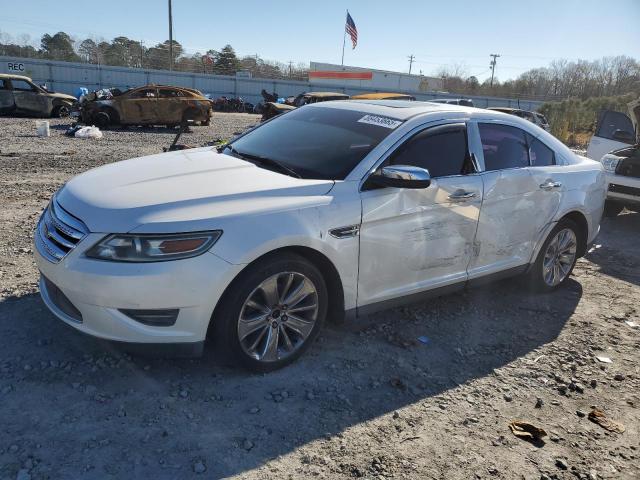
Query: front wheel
point(272, 312)
point(557, 257)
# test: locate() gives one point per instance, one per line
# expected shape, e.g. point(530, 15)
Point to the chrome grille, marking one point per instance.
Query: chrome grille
point(58, 232)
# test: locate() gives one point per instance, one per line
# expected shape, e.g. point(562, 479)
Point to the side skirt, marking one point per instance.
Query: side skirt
point(436, 292)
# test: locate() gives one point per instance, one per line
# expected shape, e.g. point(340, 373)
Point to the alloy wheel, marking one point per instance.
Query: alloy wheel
point(278, 316)
point(559, 257)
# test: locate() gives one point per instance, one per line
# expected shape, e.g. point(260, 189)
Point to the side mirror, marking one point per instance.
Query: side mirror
point(401, 176)
point(623, 136)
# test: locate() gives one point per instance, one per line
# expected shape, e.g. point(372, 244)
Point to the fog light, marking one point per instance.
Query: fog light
point(153, 318)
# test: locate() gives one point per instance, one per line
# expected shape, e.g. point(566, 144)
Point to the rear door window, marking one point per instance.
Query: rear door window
point(539, 154)
point(610, 122)
point(170, 93)
point(503, 146)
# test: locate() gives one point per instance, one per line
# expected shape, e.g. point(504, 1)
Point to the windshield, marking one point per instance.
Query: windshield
point(316, 142)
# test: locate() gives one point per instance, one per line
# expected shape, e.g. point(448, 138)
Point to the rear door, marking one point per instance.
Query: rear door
point(7, 104)
point(510, 216)
point(171, 105)
point(28, 99)
point(614, 130)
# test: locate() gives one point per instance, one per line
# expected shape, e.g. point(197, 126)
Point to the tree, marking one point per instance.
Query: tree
point(58, 47)
point(227, 63)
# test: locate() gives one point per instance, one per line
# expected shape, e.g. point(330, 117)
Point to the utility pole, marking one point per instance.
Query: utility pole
point(290, 63)
point(492, 65)
point(411, 60)
point(141, 54)
point(170, 37)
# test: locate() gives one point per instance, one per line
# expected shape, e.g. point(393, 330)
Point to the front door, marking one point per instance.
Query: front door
point(413, 240)
point(28, 99)
point(139, 107)
point(614, 130)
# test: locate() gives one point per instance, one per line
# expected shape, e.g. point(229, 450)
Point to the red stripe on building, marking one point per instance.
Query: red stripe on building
point(342, 75)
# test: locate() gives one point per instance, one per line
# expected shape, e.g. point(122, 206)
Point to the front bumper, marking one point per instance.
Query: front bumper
point(97, 290)
point(621, 189)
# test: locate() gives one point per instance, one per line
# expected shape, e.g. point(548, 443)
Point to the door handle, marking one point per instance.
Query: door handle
point(548, 185)
point(462, 195)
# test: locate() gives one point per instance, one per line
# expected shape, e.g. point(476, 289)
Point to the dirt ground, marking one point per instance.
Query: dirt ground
point(368, 400)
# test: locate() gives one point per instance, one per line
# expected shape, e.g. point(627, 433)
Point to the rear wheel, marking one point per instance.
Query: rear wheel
point(612, 209)
point(557, 257)
point(272, 312)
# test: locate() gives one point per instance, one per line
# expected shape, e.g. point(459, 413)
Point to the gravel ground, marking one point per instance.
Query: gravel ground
point(368, 400)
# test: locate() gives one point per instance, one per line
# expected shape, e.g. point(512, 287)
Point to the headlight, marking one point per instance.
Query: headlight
point(153, 248)
point(610, 162)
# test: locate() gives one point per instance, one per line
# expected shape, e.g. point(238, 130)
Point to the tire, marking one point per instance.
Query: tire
point(61, 111)
point(612, 209)
point(102, 119)
point(245, 324)
point(538, 276)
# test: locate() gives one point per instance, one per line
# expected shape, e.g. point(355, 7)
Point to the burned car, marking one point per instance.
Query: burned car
point(271, 109)
point(20, 96)
point(147, 105)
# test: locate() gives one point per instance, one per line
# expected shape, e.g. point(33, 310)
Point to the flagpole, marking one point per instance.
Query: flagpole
point(344, 37)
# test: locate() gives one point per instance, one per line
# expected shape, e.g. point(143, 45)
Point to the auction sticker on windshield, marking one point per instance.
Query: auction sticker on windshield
point(385, 122)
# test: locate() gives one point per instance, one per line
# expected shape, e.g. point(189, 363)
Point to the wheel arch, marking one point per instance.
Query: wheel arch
point(335, 289)
point(581, 222)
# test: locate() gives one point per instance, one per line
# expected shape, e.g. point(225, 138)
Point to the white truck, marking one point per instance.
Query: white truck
point(616, 145)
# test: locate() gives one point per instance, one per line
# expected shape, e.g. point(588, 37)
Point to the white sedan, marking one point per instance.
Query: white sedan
point(333, 209)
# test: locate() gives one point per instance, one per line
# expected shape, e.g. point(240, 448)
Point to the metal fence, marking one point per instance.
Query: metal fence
point(67, 77)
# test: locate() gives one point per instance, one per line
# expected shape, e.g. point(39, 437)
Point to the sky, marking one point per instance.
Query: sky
point(527, 34)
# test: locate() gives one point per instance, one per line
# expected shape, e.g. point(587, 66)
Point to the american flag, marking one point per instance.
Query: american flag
point(351, 29)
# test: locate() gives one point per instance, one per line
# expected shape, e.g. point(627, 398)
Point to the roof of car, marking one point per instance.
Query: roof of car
point(399, 109)
point(381, 96)
point(16, 77)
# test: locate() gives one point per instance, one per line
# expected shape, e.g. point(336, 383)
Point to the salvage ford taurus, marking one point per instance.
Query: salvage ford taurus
point(331, 209)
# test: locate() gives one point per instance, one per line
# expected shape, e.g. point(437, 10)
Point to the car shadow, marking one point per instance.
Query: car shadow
point(65, 390)
point(616, 250)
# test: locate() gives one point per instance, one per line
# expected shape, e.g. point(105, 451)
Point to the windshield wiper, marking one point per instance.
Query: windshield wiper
point(264, 161)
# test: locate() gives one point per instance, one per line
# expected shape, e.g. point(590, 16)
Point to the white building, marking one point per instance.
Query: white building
point(328, 75)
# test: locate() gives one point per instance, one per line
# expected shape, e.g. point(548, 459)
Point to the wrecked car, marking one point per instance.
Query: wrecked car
point(334, 209)
point(533, 117)
point(383, 96)
point(616, 144)
point(20, 96)
point(272, 109)
point(147, 105)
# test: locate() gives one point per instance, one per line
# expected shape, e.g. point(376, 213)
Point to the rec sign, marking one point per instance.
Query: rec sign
point(15, 67)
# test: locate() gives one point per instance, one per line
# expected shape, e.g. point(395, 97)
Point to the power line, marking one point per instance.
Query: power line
point(411, 59)
point(493, 65)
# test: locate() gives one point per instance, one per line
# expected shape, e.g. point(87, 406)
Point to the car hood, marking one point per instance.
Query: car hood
point(62, 96)
point(186, 190)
